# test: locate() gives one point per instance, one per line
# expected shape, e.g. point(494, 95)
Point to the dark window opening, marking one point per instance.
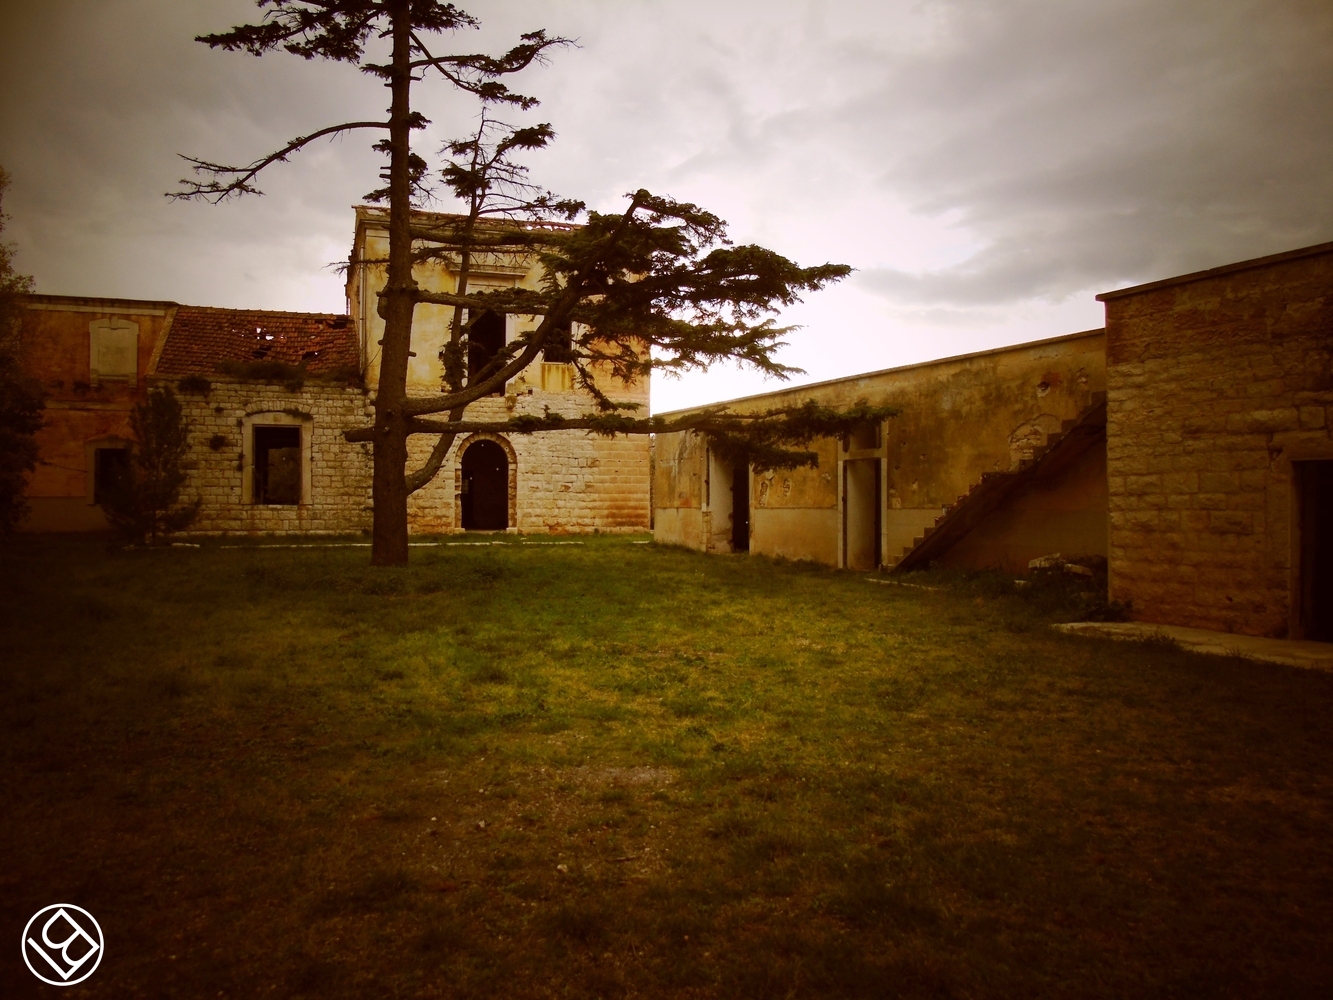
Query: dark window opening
point(740, 506)
point(1315, 485)
point(111, 470)
point(485, 340)
point(485, 487)
point(277, 478)
point(559, 349)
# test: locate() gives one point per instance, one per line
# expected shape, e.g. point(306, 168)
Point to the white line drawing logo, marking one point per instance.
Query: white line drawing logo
point(68, 939)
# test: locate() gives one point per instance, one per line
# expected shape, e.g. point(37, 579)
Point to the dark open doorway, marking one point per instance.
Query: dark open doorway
point(740, 506)
point(860, 513)
point(111, 472)
point(278, 465)
point(484, 341)
point(485, 487)
point(1314, 482)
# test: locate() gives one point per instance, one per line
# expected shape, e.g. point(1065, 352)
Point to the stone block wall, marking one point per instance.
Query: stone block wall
point(339, 472)
point(1216, 384)
point(561, 481)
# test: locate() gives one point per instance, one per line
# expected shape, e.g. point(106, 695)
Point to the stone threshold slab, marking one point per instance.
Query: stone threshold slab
point(1288, 652)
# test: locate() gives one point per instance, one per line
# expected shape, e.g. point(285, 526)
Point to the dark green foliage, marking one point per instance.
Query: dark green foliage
point(195, 384)
point(659, 287)
point(147, 505)
point(21, 396)
point(291, 377)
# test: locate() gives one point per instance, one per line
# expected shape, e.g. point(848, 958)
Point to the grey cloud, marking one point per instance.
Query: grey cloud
point(1093, 145)
point(1077, 146)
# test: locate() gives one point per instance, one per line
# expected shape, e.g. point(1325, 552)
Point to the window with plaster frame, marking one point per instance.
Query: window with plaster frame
point(113, 349)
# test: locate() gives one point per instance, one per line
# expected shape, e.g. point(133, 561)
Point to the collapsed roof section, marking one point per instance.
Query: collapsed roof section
point(202, 338)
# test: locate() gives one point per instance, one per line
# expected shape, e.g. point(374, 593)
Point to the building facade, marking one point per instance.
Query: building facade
point(1219, 457)
point(269, 394)
point(986, 417)
point(1188, 443)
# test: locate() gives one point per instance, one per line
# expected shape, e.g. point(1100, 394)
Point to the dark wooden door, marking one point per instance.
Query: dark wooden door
point(1315, 482)
point(740, 506)
point(485, 487)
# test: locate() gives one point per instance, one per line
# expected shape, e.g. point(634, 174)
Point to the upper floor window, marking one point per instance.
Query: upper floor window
point(485, 339)
point(560, 345)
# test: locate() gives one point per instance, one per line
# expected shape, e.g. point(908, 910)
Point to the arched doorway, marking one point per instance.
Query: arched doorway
point(485, 487)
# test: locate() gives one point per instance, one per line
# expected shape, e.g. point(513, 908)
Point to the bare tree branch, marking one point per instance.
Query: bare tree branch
point(217, 189)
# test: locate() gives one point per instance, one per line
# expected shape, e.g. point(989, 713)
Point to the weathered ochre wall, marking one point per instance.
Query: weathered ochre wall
point(959, 417)
point(794, 512)
point(1216, 384)
point(1064, 513)
point(81, 410)
point(678, 490)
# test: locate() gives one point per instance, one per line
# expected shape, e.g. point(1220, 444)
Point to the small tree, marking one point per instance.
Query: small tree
point(21, 396)
point(146, 503)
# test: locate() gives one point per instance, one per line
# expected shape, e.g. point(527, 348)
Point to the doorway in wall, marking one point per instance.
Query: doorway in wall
point(860, 513)
point(111, 471)
point(740, 506)
point(1314, 484)
point(485, 487)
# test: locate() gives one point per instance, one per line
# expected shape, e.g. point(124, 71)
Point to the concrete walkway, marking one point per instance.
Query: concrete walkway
point(1288, 652)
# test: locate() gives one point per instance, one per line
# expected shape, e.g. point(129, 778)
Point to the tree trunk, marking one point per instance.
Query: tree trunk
point(389, 541)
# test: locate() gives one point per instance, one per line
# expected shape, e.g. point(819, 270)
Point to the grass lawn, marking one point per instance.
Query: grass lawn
point(614, 769)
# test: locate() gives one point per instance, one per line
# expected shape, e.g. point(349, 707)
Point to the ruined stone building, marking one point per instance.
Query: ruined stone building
point(269, 394)
point(1188, 444)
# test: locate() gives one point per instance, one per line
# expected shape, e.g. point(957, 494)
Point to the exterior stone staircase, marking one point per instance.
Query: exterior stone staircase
point(989, 492)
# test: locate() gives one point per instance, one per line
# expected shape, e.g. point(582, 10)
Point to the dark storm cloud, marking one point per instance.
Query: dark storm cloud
point(99, 99)
point(1094, 144)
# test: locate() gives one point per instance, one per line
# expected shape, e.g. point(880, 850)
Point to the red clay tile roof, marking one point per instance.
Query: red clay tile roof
point(201, 337)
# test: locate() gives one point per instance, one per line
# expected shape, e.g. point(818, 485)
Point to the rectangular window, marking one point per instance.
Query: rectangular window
point(277, 470)
point(111, 467)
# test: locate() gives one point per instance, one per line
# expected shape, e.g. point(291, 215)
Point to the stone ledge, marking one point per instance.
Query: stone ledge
point(1287, 652)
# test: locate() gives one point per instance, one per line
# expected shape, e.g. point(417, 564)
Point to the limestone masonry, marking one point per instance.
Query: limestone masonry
point(269, 394)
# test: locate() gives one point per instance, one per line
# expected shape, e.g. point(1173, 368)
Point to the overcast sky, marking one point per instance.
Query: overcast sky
point(986, 165)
